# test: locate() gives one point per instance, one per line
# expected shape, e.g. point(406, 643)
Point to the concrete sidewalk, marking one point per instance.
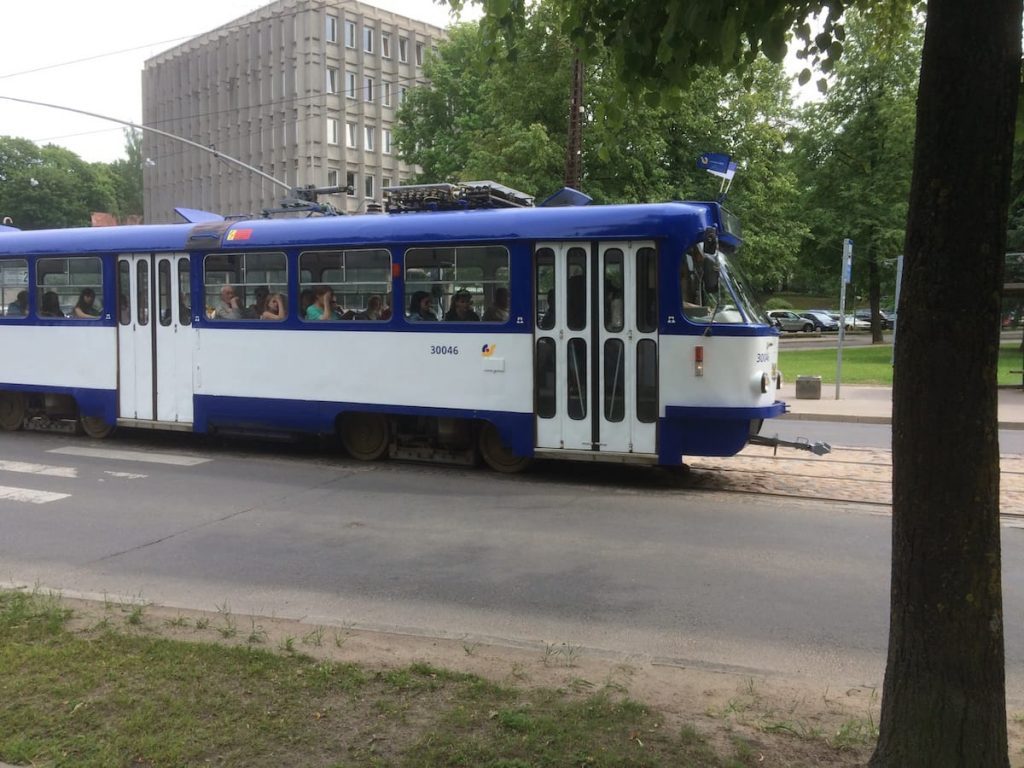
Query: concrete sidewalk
point(873, 405)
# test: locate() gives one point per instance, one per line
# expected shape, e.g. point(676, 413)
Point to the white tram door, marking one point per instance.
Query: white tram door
point(596, 350)
point(154, 346)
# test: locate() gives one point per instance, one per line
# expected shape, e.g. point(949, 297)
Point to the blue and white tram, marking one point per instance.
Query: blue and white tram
point(615, 333)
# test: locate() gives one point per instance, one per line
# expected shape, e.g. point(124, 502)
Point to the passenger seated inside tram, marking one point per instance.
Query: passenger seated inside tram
point(372, 311)
point(274, 308)
point(18, 307)
point(324, 307)
point(230, 306)
point(86, 309)
point(50, 306)
point(261, 294)
point(462, 310)
point(306, 298)
point(498, 311)
point(421, 307)
point(547, 320)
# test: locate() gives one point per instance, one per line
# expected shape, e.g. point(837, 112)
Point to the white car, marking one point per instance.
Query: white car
point(785, 320)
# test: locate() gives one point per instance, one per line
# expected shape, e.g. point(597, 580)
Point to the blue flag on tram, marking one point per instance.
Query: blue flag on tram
point(714, 162)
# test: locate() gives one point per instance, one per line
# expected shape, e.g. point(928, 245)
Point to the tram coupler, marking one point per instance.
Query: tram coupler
point(800, 444)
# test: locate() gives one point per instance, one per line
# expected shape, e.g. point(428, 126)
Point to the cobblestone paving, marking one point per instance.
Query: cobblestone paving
point(862, 475)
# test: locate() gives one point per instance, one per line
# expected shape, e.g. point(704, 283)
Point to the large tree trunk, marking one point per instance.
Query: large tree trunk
point(943, 703)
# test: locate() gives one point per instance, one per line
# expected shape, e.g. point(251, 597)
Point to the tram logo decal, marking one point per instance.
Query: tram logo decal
point(488, 349)
point(239, 234)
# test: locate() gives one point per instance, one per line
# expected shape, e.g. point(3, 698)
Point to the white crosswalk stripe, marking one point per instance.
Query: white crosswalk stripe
point(141, 456)
point(29, 495)
point(37, 469)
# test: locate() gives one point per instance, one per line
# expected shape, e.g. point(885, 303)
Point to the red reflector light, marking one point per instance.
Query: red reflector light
point(698, 354)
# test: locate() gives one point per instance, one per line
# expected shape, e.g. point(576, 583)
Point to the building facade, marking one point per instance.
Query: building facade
point(306, 91)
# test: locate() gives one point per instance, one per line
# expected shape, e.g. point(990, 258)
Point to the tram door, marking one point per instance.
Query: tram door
point(154, 338)
point(596, 356)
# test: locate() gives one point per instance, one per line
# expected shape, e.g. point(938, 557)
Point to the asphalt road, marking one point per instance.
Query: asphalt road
point(625, 561)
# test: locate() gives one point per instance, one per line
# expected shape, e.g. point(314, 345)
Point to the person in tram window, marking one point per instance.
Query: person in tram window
point(262, 294)
point(86, 309)
point(306, 298)
point(50, 306)
point(462, 310)
point(274, 308)
point(18, 307)
point(421, 307)
point(372, 311)
point(498, 311)
point(547, 320)
point(230, 307)
point(324, 307)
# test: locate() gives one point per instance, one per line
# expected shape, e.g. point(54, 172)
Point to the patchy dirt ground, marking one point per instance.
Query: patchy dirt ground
point(791, 722)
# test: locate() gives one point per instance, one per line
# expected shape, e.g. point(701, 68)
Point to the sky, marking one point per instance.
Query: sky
point(89, 56)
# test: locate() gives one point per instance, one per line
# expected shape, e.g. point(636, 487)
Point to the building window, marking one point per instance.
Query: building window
point(385, 94)
point(368, 184)
point(332, 79)
point(368, 39)
point(385, 140)
point(332, 177)
point(403, 49)
point(385, 44)
point(370, 133)
point(332, 130)
point(350, 84)
point(419, 54)
point(385, 182)
point(350, 34)
point(368, 88)
point(350, 135)
point(332, 29)
point(350, 181)
point(402, 91)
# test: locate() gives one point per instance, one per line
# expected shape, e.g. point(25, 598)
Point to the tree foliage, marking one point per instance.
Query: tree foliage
point(505, 117)
point(50, 187)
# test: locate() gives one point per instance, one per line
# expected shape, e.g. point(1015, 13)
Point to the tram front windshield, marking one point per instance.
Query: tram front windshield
point(715, 290)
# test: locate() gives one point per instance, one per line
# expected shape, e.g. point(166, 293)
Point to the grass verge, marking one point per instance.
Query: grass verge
point(872, 365)
point(111, 691)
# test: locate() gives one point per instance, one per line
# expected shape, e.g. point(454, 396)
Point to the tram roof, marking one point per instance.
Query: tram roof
point(619, 222)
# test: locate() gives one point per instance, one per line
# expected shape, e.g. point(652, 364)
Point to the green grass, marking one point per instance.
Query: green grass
point(123, 695)
point(872, 365)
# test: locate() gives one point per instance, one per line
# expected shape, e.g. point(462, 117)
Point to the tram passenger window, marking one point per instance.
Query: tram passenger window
point(547, 399)
point(646, 290)
point(614, 380)
point(544, 284)
point(124, 310)
point(466, 284)
point(576, 360)
point(70, 286)
point(576, 289)
point(14, 288)
point(142, 282)
point(184, 293)
point(647, 381)
point(163, 289)
point(238, 286)
point(345, 285)
point(613, 282)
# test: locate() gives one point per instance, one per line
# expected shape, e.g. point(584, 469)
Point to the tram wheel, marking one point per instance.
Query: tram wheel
point(95, 427)
point(497, 455)
point(12, 411)
point(364, 435)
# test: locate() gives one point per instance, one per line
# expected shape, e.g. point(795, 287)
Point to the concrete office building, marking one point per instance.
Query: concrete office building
point(304, 90)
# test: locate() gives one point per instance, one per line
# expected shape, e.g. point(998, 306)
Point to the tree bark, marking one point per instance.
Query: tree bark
point(943, 701)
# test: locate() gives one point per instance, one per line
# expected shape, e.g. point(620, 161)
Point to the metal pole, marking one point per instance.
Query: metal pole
point(574, 144)
point(844, 280)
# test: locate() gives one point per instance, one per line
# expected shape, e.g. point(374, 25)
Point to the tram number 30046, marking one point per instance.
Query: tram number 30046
point(441, 349)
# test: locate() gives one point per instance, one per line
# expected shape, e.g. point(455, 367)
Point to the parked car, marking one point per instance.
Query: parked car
point(785, 320)
point(823, 321)
point(864, 316)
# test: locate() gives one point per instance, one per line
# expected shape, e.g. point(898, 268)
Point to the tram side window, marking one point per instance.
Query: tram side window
point(184, 297)
point(14, 288)
point(646, 290)
point(345, 285)
point(245, 286)
point(545, 285)
point(464, 284)
point(70, 286)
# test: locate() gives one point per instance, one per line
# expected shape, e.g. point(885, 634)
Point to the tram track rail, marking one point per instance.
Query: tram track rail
point(850, 475)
